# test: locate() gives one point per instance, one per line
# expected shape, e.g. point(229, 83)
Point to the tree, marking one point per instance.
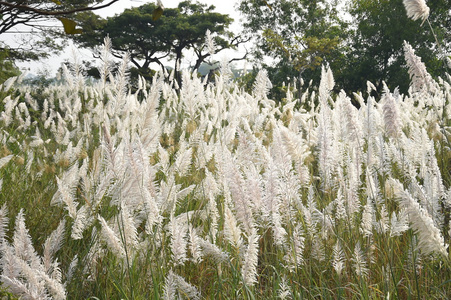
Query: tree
point(298, 36)
point(150, 41)
point(7, 67)
point(377, 41)
point(33, 16)
point(30, 13)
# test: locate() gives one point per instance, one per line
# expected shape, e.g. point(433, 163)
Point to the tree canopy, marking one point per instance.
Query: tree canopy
point(377, 42)
point(366, 45)
point(7, 66)
point(32, 12)
point(31, 21)
point(150, 41)
point(298, 35)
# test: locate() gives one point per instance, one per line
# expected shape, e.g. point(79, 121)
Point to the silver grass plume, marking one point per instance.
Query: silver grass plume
point(210, 43)
point(340, 209)
point(175, 286)
point(105, 56)
point(295, 257)
point(3, 221)
point(81, 222)
point(30, 160)
point(150, 129)
point(170, 287)
point(67, 196)
point(152, 210)
point(338, 262)
point(430, 239)
point(28, 285)
point(52, 244)
point(18, 117)
point(8, 83)
point(212, 190)
point(383, 224)
point(249, 268)
point(72, 268)
point(76, 68)
point(178, 241)
point(421, 79)
point(310, 213)
point(262, 85)
point(232, 231)
point(360, 265)
point(368, 219)
point(224, 70)
point(22, 243)
point(194, 244)
point(186, 288)
point(237, 186)
point(399, 223)
point(67, 76)
point(213, 251)
point(120, 81)
point(9, 105)
point(326, 85)
point(352, 182)
point(22, 271)
point(272, 197)
point(391, 114)
point(318, 250)
point(349, 118)
point(284, 290)
point(128, 229)
point(416, 9)
point(325, 136)
point(183, 158)
point(110, 152)
point(111, 238)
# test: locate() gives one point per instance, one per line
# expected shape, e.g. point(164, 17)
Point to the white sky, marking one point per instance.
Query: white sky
point(52, 64)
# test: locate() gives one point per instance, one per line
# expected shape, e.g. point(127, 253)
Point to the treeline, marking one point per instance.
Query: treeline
point(360, 40)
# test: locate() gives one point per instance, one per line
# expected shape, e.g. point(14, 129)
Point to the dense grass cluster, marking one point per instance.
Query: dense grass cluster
point(209, 192)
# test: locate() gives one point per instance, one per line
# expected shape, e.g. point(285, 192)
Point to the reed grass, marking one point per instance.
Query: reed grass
point(209, 192)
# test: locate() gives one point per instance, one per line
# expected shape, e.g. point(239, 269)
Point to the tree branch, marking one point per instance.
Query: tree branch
point(239, 58)
point(54, 13)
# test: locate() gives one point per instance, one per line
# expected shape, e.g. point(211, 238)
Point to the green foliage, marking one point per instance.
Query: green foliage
point(376, 43)
point(7, 66)
point(38, 34)
point(307, 52)
point(28, 12)
point(299, 35)
point(149, 39)
point(246, 81)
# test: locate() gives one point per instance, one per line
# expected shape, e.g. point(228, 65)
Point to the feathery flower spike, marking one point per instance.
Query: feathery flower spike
point(416, 9)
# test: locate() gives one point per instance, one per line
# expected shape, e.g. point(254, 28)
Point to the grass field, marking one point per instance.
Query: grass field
point(209, 192)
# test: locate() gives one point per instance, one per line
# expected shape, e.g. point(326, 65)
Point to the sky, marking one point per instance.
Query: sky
point(51, 65)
